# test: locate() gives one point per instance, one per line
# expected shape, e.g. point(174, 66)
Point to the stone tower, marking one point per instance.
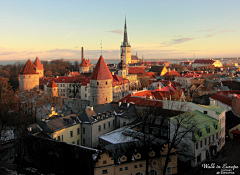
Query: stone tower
point(29, 78)
point(52, 89)
point(39, 67)
point(125, 47)
point(122, 68)
point(101, 82)
point(84, 66)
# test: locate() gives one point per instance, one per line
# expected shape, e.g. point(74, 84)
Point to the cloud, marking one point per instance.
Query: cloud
point(208, 30)
point(181, 40)
point(35, 52)
point(223, 31)
point(116, 31)
point(7, 53)
point(176, 41)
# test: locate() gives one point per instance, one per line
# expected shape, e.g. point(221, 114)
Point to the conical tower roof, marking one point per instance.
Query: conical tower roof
point(29, 68)
point(101, 71)
point(38, 64)
point(125, 37)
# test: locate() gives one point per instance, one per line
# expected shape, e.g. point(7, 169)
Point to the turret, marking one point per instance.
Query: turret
point(101, 82)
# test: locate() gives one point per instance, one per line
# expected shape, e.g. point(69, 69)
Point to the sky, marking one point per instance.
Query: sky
point(54, 29)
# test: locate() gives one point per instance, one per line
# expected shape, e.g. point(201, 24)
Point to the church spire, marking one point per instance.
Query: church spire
point(125, 38)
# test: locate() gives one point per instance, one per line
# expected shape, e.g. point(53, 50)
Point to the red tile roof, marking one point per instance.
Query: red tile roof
point(85, 63)
point(137, 70)
point(119, 80)
point(101, 71)
point(52, 84)
point(76, 73)
point(171, 73)
point(205, 61)
point(38, 64)
point(29, 68)
point(225, 96)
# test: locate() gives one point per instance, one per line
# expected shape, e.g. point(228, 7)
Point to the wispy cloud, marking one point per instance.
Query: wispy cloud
point(7, 53)
point(176, 41)
point(116, 31)
point(219, 32)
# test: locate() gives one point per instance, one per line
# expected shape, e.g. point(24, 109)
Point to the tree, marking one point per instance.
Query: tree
point(155, 124)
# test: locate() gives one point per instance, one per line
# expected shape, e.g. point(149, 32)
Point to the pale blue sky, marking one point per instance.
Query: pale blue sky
point(156, 29)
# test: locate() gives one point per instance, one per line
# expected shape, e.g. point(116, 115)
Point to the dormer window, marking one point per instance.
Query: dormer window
point(104, 162)
point(215, 126)
point(208, 130)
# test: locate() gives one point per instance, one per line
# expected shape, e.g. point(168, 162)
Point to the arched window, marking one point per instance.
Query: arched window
point(139, 173)
point(152, 172)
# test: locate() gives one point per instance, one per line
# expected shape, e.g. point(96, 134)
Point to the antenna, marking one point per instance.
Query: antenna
point(101, 47)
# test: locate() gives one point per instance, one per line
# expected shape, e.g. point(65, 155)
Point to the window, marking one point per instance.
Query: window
point(205, 141)
point(209, 140)
point(83, 142)
point(217, 136)
point(78, 131)
point(58, 138)
point(83, 130)
point(124, 123)
point(200, 133)
point(197, 145)
point(169, 159)
point(71, 133)
point(213, 137)
point(85, 88)
point(205, 112)
point(120, 169)
point(106, 99)
point(106, 82)
point(104, 171)
point(85, 95)
point(169, 170)
point(97, 83)
point(216, 126)
point(154, 163)
point(104, 126)
point(99, 128)
point(104, 162)
point(152, 172)
point(63, 85)
point(73, 142)
point(70, 85)
point(109, 124)
point(63, 94)
point(113, 122)
point(62, 137)
point(141, 165)
point(201, 144)
point(208, 130)
point(78, 142)
point(135, 166)
point(126, 168)
point(63, 90)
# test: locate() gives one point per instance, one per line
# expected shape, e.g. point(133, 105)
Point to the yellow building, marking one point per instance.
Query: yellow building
point(128, 159)
point(65, 129)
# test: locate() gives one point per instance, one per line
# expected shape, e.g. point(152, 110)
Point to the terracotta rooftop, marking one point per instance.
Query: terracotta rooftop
point(171, 73)
point(101, 71)
point(29, 68)
point(225, 96)
point(137, 70)
point(207, 61)
point(52, 84)
point(85, 63)
point(38, 64)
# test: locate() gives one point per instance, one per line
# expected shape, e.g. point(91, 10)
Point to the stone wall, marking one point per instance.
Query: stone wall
point(27, 82)
point(100, 92)
point(76, 104)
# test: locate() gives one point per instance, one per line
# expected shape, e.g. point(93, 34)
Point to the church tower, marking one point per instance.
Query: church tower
point(101, 82)
point(126, 46)
point(122, 68)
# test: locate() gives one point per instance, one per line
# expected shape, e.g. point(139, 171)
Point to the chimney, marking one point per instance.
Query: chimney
point(82, 53)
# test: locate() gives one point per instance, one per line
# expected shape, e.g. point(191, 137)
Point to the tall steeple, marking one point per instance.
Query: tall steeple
point(125, 37)
point(125, 47)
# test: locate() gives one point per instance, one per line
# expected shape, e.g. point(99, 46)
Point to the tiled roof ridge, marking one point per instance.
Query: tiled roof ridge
point(101, 71)
point(29, 68)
